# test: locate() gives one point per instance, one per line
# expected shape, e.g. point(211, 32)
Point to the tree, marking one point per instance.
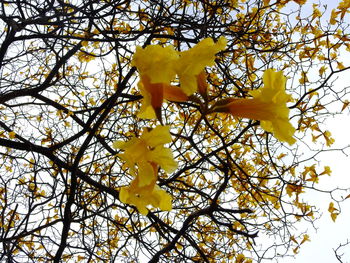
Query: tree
point(80, 162)
point(338, 251)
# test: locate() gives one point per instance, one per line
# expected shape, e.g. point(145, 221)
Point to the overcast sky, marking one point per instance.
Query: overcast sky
point(329, 234)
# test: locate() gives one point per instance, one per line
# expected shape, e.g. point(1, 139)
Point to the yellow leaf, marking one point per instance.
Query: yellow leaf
point(279, 157)
point(329, 140)
point(85, 57)
point(303, 78)
point(345, 105)
point(313, 178)
point(300, 2)
point(92, 101)
point(322, 70)
point(343, 7)
point(334, 15)
point(292, 238)
point(297, 189)
point(340, 65)
point(331, 207)
point(334, 216)
point(295, 250)
point(266, 2)
point(305, 238)
point(240, 258)
point(12, 135)
point(316, 12)
point(327, 170)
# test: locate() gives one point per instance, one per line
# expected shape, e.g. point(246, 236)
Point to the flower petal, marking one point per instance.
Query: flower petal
point(146, 111)
point(163, 157)
point(174, 93)
point(146, 174)
point(194, 60)
point(164, 199)
point(158, 136)
point(269, 105)
point(156, 62)
point(124, 194)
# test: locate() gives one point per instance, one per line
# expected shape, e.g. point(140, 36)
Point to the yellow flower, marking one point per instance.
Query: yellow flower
point(156, 65)
point(153, 95)
point(12, 135)
point(141, 197)
point(193, 61)
point(267, 105)
point(147, 153)
point(329, 140)
point(147, 111)
point(147, 149)
point(156, 62)
point(159, 65)
point(85, 57)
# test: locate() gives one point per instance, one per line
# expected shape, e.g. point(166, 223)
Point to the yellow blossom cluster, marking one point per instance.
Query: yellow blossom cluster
point(267, 105)
point(158, 67)
point(144, 156)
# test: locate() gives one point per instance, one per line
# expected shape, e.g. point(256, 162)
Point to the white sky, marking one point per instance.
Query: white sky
point(329, 234)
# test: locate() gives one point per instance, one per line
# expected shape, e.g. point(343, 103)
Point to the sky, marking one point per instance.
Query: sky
point(329, 235)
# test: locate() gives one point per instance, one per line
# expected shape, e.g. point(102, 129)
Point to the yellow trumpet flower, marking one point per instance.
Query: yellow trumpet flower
point(267, 105)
